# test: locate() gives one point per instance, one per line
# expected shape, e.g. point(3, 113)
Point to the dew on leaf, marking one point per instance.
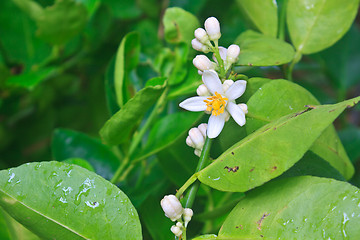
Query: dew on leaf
point(11, 177)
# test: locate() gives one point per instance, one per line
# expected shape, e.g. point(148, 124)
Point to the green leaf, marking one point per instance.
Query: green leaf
point(281, 97)
point(261, 14)
point(252, 86)
point(110, 94)
point(91, 5)
point(4, 229)
point(80, 162)
point(70, 203)
point(271, 150)
point(206, 237)
point(124, 9)
point(71, 144)
point(260, 50)
point(316, 25)
point(61, 22)
point(32, 8)
point(179, 71)
point(30, 79)
point(14, 230)
point(166, 131)
point(179, 25)
point(296, 208)
point(127, 58)
point(117, 129)
point(351, 140)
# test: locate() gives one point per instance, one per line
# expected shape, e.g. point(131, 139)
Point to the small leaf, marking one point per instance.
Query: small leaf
point(281, 97)
point(61, 22)
point(296, 208)
point(318, 24)
point(71, 144)
point(70, 203)
point(271, 150)
point(262, 15)
point(117, 129)
point(127, 58)
point(167, 130)
point(179, 25)
point(260, 50)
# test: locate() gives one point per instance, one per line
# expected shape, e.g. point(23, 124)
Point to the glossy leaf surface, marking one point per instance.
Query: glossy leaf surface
point(281, 97)
point(260, 50)
point(67, 144)
point(262, 14)
point(318, 24)
point(117, 129)
point(300, 207)
point(271, 150)
point(70, 203)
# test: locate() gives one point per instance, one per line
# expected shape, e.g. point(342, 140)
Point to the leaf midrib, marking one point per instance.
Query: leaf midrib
point(37, 212)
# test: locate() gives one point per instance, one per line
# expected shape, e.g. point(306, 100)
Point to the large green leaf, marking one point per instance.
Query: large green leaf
point(166, 131)
point(271, 150)
point(68, 144)
point(281, 97)
point(262, 14)
point(127, 58)
point(117, 129)
point(179, 25)
point(61, 22)
point(70, 203)
point(296, 208)
point(318, 24)
point(260, 50)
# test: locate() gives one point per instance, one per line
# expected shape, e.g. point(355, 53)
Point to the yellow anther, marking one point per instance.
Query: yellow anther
point(216, 104)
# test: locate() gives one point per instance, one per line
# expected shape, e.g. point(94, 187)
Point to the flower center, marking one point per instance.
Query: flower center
point(216, 104)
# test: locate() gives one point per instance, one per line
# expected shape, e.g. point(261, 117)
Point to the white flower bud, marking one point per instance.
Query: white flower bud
point(212, 27)
point(202, 90)
point(189, 142)
point(197, 152)
point(232, 53)
point(201, 35)
point(188, 213)
point(202, 63)
point(172, 207)
point(197, 138)
point(243, 107)
point(176, 230)
point(202, 127)
point(200, 72)
point(179, 224)
point(227, 84)
point(199, 46)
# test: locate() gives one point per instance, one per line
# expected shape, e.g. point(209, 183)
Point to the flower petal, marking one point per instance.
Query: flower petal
point(236, 90)
point(194, 104)
point(215, 125)
point(212, 82)
point(236, 112)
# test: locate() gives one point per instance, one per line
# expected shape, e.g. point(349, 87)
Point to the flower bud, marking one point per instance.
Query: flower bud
point(197, 138)
point(202, 90)
point(200, 72)
point(201, 35)
point(189, 142)
point(212, 27)
point(179, 224)
point(202, 63)
point(199, 46)
point(232, 53)
point(176, 230)
point(202, 127)
point(197, 152)
point(243, 107)
point(172, 207)
point(188, 213)
point(227, 84)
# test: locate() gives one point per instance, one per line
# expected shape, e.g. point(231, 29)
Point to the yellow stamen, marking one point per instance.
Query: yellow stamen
point(216, 104)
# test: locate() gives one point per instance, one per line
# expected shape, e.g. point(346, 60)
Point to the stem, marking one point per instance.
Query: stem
point(281, 32)
point(219, 59)
point(290, 69)
point(119, 170)
point(203, 161)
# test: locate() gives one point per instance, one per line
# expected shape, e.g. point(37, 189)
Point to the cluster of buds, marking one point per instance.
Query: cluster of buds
point(196, 138)
point(173, 210)
point(202, 43)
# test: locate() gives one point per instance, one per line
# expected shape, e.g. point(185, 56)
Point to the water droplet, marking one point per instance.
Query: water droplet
point(63, 200)
point(92, 204)
point(215, 179)
point(84, 189)
point(345, 220)
point(67, 190)
point(11, 177)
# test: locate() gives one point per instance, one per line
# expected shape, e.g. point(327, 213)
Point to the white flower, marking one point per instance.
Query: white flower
point(172, 207)
point(220, 103)
point(188, 213)
point(201, 36)
point(232, 53)
point(212, 27)
point(202, 63)
point(196, 138)
point(199, 46)
point(176, 230)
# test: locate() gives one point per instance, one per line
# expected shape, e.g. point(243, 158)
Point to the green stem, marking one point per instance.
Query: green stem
point(120, 170)
point(290, 69)
point(203, 161)
point(219, 59)
point(281, 31)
